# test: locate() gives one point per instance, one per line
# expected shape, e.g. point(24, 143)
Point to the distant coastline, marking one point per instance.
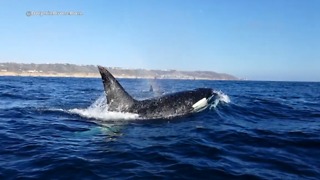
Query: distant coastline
point(35, 74)
point(91, 71)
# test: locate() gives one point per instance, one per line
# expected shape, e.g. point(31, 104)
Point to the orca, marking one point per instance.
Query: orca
point(165, 106)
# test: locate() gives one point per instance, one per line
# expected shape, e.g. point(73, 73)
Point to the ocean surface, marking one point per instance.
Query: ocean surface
point(59, 128)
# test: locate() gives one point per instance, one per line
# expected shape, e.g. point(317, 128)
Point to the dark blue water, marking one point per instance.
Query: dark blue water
point(55, 128)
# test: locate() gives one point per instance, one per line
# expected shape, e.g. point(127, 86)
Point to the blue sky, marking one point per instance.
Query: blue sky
point(254, 39)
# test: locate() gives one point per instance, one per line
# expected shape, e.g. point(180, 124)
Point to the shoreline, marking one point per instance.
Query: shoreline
point(31, 74)
point(90, 71)
point(91, 75)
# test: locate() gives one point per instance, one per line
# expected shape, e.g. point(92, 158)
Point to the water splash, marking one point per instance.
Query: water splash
point(99, 110)
point(221, 97)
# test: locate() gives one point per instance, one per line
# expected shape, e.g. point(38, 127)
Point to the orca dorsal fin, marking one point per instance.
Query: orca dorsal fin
point(117, 98)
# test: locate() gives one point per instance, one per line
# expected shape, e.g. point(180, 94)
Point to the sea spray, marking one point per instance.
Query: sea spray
point(99, 110)
point(221, 97)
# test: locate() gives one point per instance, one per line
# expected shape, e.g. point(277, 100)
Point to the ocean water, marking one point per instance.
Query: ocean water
point(58, 128)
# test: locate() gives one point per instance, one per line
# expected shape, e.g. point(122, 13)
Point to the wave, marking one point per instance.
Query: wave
point(221, 97)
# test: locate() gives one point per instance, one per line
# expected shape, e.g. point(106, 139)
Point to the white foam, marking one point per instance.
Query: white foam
point(223, 97)
point(99, 110)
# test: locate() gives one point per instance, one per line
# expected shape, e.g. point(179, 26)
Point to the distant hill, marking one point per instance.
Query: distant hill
point(71, 70)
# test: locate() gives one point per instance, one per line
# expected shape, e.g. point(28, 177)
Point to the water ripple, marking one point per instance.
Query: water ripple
point(53, 128)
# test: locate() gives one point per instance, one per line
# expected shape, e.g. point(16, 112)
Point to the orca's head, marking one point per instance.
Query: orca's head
point(202, 98)
point(206, 93)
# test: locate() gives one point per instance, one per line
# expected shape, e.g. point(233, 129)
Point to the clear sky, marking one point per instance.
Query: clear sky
point(253, 39)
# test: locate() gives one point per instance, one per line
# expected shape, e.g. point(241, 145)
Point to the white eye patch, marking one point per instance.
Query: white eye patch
point(202, 103)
